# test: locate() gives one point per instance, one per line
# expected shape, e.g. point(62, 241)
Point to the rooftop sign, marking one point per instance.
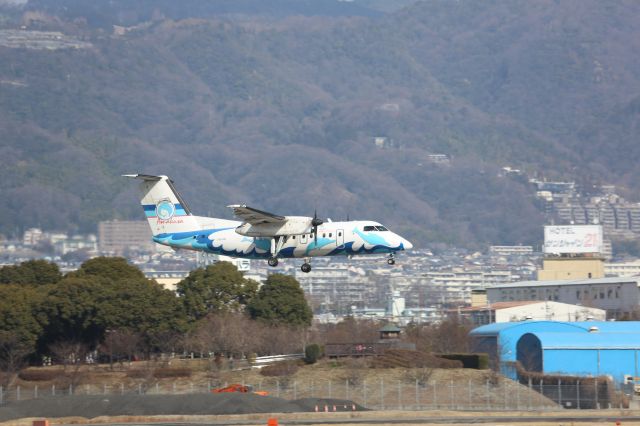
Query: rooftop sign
point(573, 239)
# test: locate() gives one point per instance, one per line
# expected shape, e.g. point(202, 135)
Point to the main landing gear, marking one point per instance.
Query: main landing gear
point(276, 246)
point(391, 260)
point(306, 266)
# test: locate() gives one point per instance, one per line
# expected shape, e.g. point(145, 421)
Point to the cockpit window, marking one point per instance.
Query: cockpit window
point(381, 228)
point(369, 228)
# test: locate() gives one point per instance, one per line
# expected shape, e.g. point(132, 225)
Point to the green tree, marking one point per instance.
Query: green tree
point(312, 353)
point(113, 268)
point(72, 311)
point(21, 319)
point(144, 307)
point(107, 294)
point(281, 301)
point(31, 272)
point(216, 288)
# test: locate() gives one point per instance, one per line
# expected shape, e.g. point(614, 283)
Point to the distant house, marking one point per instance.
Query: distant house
point(389, 339)
point(443, 159)
point(389, 332)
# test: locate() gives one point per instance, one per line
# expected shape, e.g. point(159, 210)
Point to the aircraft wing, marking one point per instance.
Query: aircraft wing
point(255, 216)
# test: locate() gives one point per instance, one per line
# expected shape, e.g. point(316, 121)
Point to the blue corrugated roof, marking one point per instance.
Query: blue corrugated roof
point(595, 340)
point(561, 326)
point(612, 336)
point(614, 326)
point(494, 328)
point(497, 328)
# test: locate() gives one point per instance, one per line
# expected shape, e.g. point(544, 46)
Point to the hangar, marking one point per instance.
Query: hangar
point(590, 348)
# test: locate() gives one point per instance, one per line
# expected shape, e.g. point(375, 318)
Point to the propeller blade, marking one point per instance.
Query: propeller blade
point(315, 222)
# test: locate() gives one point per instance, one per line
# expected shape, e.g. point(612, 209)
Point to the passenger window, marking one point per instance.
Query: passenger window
point(324, 235)
point(339, 234)
point(293, 237)
point(330, 234)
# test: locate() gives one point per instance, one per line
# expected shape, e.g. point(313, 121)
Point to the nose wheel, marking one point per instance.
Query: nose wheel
point(273, 261)
point(391, 260)
point(306, 266)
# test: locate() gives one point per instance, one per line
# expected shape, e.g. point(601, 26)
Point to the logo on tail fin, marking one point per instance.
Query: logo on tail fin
point(165, 209)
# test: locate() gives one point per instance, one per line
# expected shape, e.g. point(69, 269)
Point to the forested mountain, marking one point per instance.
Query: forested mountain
point(280, 110)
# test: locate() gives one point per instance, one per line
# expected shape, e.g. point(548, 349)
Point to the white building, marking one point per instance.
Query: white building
point(116, 236)
point(334, 287)
point(617, 295)
point(530, 310)
point(32, 237)
point(511, 250)
point(622, 269)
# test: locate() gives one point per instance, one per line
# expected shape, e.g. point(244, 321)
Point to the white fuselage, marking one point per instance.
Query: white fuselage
point(333, 238)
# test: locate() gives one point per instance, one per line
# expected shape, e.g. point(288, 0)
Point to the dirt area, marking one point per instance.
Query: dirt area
point(139, 390)
point(349, 379)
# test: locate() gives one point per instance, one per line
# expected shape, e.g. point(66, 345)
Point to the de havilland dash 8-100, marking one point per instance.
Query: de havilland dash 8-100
point(260, 235)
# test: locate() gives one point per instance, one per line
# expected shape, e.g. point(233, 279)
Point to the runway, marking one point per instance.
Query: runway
point(406, 418)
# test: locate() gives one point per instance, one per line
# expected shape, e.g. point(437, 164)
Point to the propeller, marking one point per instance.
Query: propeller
point(315, 222)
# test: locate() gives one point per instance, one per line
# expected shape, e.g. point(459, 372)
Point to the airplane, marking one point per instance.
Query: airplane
point(259, 234)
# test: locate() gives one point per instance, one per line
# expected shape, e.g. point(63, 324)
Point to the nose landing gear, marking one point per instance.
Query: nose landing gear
point(391, 260)
point(306, 266)
point(273, 261)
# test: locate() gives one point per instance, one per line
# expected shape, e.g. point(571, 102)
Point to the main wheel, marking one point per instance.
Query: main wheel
point(273, 261)
point(306, 268)
point(391, 261)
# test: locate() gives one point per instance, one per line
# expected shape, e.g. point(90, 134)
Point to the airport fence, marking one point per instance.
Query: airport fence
point(374, 394)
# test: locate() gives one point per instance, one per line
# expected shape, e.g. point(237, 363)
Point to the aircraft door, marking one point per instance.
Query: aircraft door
point(340, 238)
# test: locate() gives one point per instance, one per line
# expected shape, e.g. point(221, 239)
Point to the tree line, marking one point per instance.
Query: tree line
point(109, 307)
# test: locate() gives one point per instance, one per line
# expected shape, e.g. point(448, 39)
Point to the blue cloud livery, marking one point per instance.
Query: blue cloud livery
point(260, 235)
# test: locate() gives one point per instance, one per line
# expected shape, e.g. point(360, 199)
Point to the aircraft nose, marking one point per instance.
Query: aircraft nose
point(407, 244)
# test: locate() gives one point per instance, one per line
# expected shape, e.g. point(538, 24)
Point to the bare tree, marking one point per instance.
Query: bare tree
point(351, 330)
point(72, 356)
point(355, 370)
point(120, 344)
point(419, 375)
point(12, 357)
point(448, 336)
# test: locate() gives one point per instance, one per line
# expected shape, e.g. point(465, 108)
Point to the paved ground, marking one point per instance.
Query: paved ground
point(249, 410)
point(93, 406)
point(422, 418)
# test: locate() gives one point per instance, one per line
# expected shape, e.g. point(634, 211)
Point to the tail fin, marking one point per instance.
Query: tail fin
point(164, 208)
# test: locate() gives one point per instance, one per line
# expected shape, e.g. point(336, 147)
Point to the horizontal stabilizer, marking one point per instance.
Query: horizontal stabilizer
point(145, 177)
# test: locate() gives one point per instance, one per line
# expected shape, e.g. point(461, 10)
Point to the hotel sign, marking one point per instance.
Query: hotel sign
point(572, 239)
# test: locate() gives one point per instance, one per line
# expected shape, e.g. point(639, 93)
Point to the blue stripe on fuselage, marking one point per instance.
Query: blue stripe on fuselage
point(258, 248)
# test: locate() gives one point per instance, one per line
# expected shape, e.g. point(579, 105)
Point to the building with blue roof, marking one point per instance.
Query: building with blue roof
point(590, 348)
